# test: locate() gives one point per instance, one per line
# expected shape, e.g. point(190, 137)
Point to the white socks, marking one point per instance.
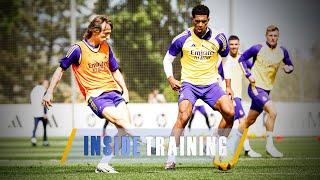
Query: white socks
point(172, 158)
point(269, 138)
point(234, 139)
point(246, 145)
point(106, 159)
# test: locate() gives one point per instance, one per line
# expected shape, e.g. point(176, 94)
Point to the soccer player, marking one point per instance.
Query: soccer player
point(236, 75)
point(39, 112)
point(200, 48)
point(267, 58)
point(156, 97)
point(100, 81)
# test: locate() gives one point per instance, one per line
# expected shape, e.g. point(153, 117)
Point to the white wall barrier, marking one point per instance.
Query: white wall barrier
point(294, 119)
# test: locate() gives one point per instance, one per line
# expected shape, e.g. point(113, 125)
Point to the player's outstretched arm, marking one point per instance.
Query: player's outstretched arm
point(120, 80)
point(251, 52)
point(47, 99)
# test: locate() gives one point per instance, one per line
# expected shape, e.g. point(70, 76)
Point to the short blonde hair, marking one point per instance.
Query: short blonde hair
point(272, 28)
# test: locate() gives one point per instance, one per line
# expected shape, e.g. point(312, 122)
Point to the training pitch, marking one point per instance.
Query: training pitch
point(19, 160)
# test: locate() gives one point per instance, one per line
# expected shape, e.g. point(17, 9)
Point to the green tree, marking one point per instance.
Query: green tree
point(142, 33)
point(32, 34)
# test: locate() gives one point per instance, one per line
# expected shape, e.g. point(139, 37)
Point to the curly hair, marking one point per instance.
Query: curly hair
point(200, 10)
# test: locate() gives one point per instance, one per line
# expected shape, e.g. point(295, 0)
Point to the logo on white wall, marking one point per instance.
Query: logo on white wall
point(137, 120)
point(91, 120)
point(15, 123)
point(162, 120)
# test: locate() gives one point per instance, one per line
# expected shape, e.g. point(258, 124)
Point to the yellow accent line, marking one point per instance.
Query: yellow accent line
point(239, 148)
point(68, 147)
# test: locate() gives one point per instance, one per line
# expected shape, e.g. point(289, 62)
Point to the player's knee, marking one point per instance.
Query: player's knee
point(184, 116)
point(117, 122)
point(250, 121)
point(229, 113)
point(184, 112)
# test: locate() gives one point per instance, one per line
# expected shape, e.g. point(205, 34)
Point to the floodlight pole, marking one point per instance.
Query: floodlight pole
point(73, 32)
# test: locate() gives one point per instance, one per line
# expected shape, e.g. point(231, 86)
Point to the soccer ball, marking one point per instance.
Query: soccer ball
point(222, 166)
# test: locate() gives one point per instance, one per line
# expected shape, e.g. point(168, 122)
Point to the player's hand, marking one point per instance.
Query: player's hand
point(175, 84)
point(229, 92)
point(46, 101)
point(287, 68)
point(45, 116)
point(252, 80)
point(253, 85)
point(125, 95)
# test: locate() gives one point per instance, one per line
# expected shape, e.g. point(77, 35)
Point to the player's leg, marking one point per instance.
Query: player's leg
point(185, 111)
point(103, 166)
point(235, 143)
point(105, 127)
point(240, 116)
point(237, 136)
point(186, 100)
point(111, 106)
point(259, 97)
point(248, 151)
point(270, 122)
point(45, 138)
point(119, 116)
point(225, 106)
point(191, 119)
point(255, 110)
point(35, 126)
point(216, 98)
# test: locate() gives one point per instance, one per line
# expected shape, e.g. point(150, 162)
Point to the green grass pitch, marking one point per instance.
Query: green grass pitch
point(18, 160)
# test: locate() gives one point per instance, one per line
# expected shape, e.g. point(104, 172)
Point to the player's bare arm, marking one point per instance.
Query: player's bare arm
point(47, 99)
point(229, 90)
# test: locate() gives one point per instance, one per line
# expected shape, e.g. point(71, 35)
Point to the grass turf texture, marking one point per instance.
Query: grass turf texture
point(18, 160)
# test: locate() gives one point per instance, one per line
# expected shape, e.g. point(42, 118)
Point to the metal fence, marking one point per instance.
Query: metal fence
point(35, 35)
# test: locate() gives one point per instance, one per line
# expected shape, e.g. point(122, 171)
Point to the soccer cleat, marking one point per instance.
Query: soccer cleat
point(251, 153)
point(170, 166)
point(105, 168)
point(33, 141)
point(45, 143)
point(272, 151)
point(228, 162)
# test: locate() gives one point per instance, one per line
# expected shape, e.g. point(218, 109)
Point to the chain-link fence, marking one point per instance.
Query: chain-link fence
point(35, 35)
